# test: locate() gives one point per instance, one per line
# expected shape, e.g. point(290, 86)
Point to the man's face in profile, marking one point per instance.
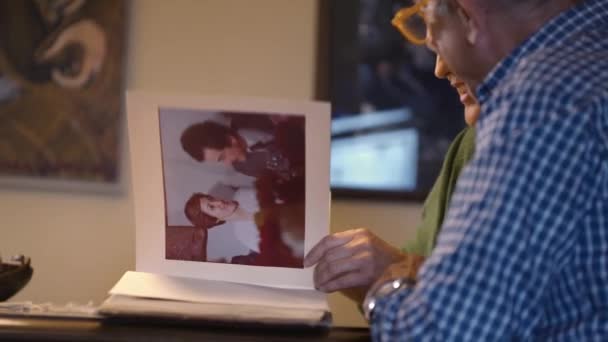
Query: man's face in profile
point(447, 37)
point(233, 153)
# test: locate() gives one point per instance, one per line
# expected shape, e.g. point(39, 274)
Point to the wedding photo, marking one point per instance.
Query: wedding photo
point(234, 186)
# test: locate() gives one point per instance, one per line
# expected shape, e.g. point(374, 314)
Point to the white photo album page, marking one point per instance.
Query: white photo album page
point(229, 189)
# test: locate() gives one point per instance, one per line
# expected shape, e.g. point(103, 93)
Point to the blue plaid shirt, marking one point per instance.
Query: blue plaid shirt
point(523, 253)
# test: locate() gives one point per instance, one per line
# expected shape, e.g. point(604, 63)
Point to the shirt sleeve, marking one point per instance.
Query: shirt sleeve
point(510, 228)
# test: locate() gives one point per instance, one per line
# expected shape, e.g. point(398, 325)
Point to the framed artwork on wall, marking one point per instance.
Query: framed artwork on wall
point(61, 93)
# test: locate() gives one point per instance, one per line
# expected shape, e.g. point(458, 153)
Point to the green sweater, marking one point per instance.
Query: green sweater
point(437, 202)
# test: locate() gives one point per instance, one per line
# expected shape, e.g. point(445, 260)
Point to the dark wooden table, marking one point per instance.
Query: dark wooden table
point(14, 328)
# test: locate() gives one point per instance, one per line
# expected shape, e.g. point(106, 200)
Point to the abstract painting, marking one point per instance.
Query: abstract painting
point(61, 91)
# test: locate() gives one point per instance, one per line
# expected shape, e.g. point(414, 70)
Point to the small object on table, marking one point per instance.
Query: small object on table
point(49, 310)
point(14, 275)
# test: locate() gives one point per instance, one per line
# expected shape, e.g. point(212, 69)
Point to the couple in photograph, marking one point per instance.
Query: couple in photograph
point(268, 218)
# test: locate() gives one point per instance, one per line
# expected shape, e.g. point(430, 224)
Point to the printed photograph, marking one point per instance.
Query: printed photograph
point(61, 77)
point(234, 187)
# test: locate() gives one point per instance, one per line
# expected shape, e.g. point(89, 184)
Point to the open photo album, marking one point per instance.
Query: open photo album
point(229, 196)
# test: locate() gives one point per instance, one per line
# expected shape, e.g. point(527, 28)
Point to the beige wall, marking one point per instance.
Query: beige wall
point(81, 244)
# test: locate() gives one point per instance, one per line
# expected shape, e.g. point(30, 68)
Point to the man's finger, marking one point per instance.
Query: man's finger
point(329, 271)
point(327, 243)
point(335, 270)
point(346, 281)
point(347, 251)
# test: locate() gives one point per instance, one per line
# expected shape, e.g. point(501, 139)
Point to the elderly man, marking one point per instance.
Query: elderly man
point(523, 252)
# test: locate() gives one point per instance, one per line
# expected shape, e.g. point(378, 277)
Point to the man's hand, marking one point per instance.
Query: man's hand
point(351, 261)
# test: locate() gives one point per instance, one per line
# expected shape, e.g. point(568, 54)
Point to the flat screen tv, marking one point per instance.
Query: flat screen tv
point(392, 119)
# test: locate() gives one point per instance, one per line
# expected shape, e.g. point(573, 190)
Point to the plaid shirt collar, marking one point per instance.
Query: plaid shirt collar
point(588, 13)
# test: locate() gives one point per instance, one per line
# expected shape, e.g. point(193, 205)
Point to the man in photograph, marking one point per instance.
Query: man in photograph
point(250, 152)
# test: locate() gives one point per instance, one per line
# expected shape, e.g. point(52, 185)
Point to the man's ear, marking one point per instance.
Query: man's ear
point(465, 13)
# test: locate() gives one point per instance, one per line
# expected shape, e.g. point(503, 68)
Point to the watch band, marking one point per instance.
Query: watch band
point(391, 286)
point(409, 271)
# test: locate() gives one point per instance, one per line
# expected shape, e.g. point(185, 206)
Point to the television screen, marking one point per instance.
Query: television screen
point(392, 119)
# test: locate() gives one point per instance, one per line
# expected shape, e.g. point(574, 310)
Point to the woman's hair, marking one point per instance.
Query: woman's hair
point(196, 215)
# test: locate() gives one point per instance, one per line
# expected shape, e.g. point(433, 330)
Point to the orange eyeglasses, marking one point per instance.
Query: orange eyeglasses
point(410, 22)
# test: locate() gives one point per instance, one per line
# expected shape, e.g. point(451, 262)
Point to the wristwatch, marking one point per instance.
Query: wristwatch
point(392, 286)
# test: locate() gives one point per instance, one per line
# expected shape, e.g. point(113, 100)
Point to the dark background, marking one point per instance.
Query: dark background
point(365, 63)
